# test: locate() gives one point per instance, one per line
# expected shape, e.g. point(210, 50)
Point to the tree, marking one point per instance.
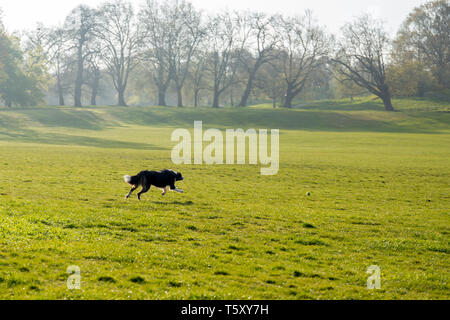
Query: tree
point(36, 59)
point(409, 78)
point(19, 78)
point(226, 40)
point(197, 75)
point(424, 38)
point(361, 57)
point(141, 89)
point(155, 40)
point(80, 30)
point(173, 31)
point(3, 47)
point(60, 60)
point(186, 32)
point(119, 36)
point(303, 50)
point(35, 69)
point(271, 82)
point(262, 42)
point(8, 66)
point(93, 76)
point(319, 85)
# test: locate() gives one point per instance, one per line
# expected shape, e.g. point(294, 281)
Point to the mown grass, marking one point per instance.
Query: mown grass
point(356, 187)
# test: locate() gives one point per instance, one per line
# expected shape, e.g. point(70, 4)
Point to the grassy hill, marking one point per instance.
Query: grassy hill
point(378, 185)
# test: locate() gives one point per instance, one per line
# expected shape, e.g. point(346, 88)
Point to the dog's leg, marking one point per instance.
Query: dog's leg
point(173, 188)
point(131, 191)
point(164, 191)
point(145, 186)
point(144, 190)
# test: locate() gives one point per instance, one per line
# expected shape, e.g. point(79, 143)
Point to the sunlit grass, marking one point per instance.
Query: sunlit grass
point(355, 188)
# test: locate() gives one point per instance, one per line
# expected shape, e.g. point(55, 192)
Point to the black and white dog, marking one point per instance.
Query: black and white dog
point(160, 179)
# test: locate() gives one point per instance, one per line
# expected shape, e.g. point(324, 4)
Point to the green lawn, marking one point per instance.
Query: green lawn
point(379, 195)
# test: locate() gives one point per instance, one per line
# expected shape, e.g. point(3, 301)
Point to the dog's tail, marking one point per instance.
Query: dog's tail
point(127, 178)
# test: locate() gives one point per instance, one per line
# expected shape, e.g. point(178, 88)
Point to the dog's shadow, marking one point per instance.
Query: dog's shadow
point(185, 203)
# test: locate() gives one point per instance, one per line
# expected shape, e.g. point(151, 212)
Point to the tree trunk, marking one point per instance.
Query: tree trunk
point(441, 74)
point(216, 99)
point(61, 100)
point(121, 95)
point(95, 88)
point(248, 88)
point(93, 97)
point(274, 102)
point(60, 91)
point(388, 104)
point(79, 78)
point(162, 96)
point(386, 97)
point(291, 92)
point(179, 97)
point(196, 98)
point(288, 98)
point(288, 102)
point(231, 97)
point(121, 101)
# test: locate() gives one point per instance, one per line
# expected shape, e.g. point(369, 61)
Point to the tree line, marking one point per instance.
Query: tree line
point(171, 49)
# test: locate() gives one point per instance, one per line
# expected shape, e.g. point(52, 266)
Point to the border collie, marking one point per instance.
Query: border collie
point(160, 179)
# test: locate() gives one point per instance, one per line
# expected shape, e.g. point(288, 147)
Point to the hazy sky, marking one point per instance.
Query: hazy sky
point(23, 14)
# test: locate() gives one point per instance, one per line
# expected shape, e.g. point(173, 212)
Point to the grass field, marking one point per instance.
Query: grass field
point(379, 195)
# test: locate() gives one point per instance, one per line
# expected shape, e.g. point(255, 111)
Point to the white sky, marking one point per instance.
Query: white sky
point(24, 14)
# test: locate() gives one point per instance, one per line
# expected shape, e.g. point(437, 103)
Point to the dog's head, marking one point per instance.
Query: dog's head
point(127, 179)
point(178, 176)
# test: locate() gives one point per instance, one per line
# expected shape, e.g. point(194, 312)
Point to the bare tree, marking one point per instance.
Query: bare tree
point(261, 43)
point(361, 57)
point(93, 76)
point(79, 27)
point(119, 37)
point(156, 39)
point(304, 48)
point(226, 39)
point(56, 46)
point(239, 57)
point(185, 33)
point(271, 81)
point(197, 75)
point(37, 37)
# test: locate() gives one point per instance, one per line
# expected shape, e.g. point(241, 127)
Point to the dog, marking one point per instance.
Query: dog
point(160, 179)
